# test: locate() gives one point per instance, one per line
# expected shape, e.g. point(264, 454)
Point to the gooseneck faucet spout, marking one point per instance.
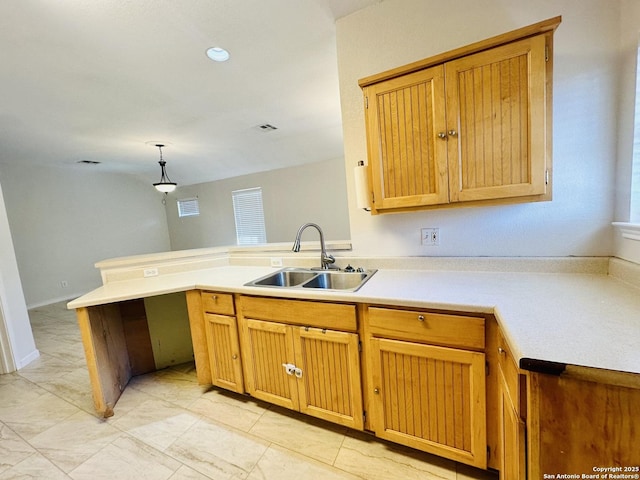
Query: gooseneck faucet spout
point(326, 261)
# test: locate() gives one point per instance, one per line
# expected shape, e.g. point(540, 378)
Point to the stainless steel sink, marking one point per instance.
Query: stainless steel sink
point(314, 279)
point(337, 280)
point(284, 278)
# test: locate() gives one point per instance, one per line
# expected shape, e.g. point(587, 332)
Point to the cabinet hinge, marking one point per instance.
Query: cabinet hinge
point(488, 453)
point(546, 177)
point(366, 102)
point(546, 53)
point(364, 415)
point(486, 368)
point(360, 346)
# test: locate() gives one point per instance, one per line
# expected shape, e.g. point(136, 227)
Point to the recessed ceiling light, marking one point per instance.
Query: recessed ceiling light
point(217, 54)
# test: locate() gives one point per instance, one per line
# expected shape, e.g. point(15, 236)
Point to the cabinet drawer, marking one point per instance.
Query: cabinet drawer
point(420, 326)
point(335, 316)
point(221, 303)
point(509, 371)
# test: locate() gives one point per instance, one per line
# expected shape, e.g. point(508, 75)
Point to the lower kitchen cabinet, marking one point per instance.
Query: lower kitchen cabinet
point(221, 335)
point(330, 363)
point(307, 368)
point(511, 416)
point(267, 350)
point(584, 419)
point(512, 440)
point(429, 397)
point(224, 352)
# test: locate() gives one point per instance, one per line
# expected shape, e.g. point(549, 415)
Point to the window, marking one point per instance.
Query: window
point(188, 207)
point(249, 215)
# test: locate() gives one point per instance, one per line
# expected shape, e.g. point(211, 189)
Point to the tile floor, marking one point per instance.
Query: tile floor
point(166, 426)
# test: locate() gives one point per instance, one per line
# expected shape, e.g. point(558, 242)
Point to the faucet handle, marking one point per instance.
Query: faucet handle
point(327, 260)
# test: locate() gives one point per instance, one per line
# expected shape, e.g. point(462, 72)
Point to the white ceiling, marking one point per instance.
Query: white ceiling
point(104, 80)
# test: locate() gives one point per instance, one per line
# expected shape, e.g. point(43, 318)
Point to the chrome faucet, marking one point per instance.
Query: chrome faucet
point(326, 261)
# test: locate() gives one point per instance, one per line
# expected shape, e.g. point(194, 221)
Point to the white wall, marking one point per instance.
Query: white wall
point(292, 196)
point(586, 73)
point(64, 220)
point(17, 347)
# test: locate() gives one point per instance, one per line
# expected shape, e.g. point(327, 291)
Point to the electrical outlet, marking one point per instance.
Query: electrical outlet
point(430, 237)
point(150, 272)
point(64, 284)
point(276, 261)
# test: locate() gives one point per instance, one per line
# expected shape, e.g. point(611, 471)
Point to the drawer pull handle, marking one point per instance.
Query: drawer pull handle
point(421, 318)
point(214, 297)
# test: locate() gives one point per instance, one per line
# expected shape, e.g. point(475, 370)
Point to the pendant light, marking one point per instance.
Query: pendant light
point(165, 184)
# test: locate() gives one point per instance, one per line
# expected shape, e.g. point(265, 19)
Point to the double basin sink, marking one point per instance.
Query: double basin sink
point(342, 280)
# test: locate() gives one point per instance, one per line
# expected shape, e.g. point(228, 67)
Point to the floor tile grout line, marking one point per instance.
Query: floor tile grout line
point(70, 331)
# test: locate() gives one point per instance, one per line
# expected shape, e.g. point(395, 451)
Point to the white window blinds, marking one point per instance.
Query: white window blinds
point(249, 216)
point(188, 207)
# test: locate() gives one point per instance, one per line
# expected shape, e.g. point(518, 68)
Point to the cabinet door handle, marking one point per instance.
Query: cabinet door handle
point(376, 391)
point(501, 351)
point(234, 356)
point(290, 368)
point(442, 135)
point(452, 133)
point(421, 318)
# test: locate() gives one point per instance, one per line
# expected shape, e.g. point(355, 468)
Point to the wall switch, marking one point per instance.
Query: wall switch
point(276, 261)
point(430, 237)
point(150, 272)
point(64, 284)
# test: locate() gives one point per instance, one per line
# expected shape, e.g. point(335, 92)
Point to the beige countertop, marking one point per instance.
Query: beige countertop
point(590, 320)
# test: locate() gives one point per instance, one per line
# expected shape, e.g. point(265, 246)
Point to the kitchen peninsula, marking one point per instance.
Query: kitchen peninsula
point(557, 337)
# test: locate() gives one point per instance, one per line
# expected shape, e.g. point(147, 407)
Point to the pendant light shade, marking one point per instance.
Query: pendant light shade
point(165, 185)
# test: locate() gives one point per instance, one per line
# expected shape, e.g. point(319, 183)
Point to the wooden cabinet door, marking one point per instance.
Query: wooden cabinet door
point(329, 387)
point(430, 398)
point(407, 159)
point(267, 347)
point(224, 352)
point(496, 106)
point(512, 436)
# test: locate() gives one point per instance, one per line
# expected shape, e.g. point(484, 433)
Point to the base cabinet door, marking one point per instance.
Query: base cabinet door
point(430, 398)
point(224, 352)
point(267, 352)
point(512, 437)
point(329, 386)
point(311, 370)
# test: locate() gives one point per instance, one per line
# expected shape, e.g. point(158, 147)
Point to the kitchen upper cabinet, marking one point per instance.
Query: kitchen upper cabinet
point(303, 364)
point(469, 126)
point(496, 122)
point(408, 161)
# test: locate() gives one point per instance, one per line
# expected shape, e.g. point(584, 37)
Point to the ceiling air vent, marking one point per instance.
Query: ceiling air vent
point(266, 127)
point(89, 162)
